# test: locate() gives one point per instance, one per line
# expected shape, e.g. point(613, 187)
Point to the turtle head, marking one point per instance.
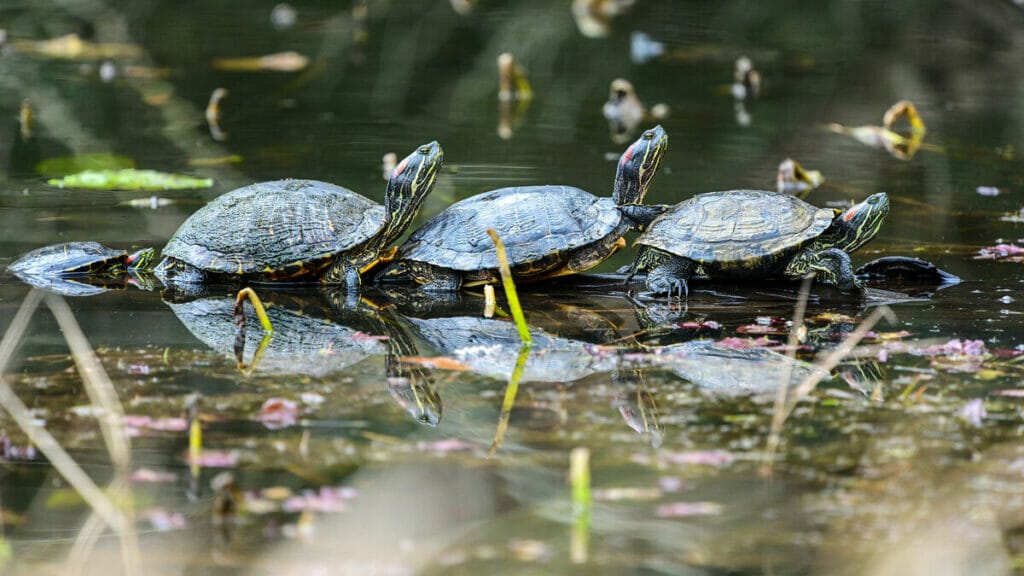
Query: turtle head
point(140, 260)
point(638, 165)
point(859, 224)
point(410, 182)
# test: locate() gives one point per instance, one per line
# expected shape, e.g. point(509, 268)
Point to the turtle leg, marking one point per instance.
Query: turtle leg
point(174, 271)
point(670, 277)
point(667, 273)
point(429, 277)
point(830, 266)
point(343, 273)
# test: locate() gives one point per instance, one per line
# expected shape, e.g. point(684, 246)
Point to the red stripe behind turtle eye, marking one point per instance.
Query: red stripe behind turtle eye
point(400, 168)
point(849, 214)
point(131, 258)
point(627, 154)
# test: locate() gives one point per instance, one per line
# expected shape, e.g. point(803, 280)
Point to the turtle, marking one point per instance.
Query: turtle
point(745, 234)
point(298, 230)
point(72, 259)
point(548, 231)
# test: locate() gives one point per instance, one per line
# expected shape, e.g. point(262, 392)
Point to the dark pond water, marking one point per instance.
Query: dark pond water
point(907, 458)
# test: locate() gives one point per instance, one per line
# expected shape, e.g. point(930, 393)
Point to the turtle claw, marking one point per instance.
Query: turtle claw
point(681, 287)
point(670, 286)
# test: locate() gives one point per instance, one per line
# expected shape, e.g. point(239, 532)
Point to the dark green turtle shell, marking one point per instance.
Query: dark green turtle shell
point(271, 227)
point(736, 226)
point(534, 222)
point(69, 259)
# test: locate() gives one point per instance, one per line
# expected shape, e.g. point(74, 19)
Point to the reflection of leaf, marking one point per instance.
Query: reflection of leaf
point(130, 179)
point(439, 362)
point(72, 164)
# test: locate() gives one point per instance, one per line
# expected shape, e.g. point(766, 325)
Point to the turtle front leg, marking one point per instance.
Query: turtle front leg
point(670, 277)
point(830, 266)
point(343, 273)
point(427, 276)
point(667, 273)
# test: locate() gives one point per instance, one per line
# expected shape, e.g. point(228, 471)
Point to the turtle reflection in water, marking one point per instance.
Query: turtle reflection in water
point(314, 335)
point(491, 347)
point(83, 268)
point(722, 370)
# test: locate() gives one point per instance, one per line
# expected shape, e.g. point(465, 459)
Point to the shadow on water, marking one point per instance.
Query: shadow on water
point(378, 435)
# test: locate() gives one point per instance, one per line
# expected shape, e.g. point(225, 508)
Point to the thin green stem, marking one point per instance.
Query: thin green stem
point(510, 289)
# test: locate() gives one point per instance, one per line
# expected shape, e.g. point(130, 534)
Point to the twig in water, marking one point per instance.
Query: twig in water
point(510, 289)
point(787, 372)
point(102, 395)
point(579, 480)
point(257, 305)
point(489, 302)
point(510, 399)
point(268, 330)
point(823, 367)
point(40, 437)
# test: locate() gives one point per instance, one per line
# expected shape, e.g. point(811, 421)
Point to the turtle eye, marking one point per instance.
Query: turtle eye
point(649, 135)
point(873, 200)
point(424, 150)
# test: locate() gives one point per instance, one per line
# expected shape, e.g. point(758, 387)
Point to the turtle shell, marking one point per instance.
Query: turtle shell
point(68, 259)
point(735, 226)
point(533, 222)
point(267, 227)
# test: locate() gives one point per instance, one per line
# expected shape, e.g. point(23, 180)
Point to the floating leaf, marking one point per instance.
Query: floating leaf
point(72, 47)
point(1000, 251)
point(898, 145)
point(792, 178)
point(64, 165)
point(130, 179)
point(280, 62)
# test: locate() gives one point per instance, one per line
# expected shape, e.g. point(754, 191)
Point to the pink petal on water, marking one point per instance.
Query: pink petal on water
point(147, 475)
point(445, 446)
point(999, 250)
point(214, 459)
point(699, 457)
point(161, 424)
point(687, 509)
point(278, 412)
point(974, 412)
point(164, 521)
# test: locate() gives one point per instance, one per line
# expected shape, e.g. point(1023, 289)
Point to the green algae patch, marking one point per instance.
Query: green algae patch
point(130, 179)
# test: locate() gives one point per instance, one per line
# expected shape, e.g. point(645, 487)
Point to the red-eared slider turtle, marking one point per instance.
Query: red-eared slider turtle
point(298, 230)
point(79, 259)
point(755, 234)
point(548, 231)
point(83, 268)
